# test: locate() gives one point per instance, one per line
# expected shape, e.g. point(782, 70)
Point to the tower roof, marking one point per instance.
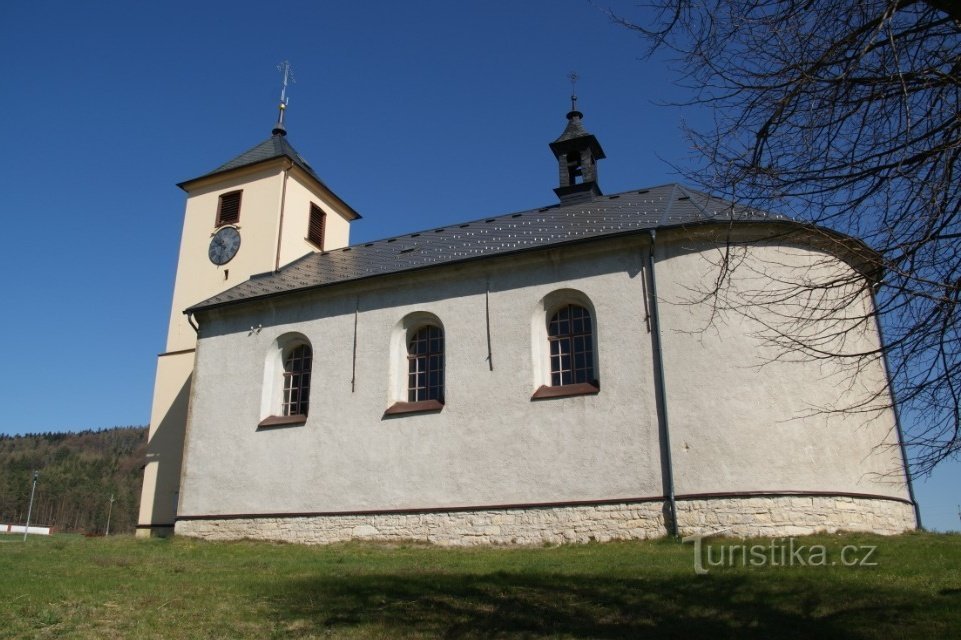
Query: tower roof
point(276, 146)
point(575, 131)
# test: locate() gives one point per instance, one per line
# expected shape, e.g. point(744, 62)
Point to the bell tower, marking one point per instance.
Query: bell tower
point(577, 153)
point(260, 210)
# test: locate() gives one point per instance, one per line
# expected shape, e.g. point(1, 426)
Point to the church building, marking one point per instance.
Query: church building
point(530, 377)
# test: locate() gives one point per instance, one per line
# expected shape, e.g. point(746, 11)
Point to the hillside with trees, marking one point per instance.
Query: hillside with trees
point(78, 474)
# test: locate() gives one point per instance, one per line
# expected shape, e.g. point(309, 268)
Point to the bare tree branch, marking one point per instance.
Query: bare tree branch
point(848, 112)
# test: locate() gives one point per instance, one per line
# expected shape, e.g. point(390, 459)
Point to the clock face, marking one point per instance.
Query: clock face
point(224, 245)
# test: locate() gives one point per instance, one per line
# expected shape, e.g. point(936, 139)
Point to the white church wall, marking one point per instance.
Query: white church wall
point(745, 416)
point(734, 429)
point(489, 445)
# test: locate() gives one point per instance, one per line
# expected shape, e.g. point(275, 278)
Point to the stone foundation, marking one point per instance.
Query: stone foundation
point(502, 526)
point(778, 516)
point(771, 516)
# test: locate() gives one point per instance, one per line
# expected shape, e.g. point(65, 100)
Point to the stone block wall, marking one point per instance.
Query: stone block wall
point(777, 516)
point(553, 525)
point(772, 516)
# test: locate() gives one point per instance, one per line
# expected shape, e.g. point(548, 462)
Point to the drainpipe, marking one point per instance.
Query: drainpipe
point(280, 222)
point(190, 320)
point(659, 386)
point(897, 413)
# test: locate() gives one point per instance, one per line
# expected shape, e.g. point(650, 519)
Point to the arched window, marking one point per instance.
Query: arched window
point(285, 395)
point(570, 335)
point(425, 364)
point(564, 347)
point(297, 363)
point(416, 365)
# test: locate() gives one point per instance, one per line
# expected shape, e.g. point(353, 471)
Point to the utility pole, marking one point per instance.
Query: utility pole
point(109, 511)
point(26, 529)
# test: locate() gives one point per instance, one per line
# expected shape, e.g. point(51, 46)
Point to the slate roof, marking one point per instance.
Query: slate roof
point(574, 129)
point(276, 146)
point(625, 213)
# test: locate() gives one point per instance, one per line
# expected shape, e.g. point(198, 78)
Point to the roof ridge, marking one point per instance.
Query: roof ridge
point(556, 205)
point(447, 226)
point(733, 206)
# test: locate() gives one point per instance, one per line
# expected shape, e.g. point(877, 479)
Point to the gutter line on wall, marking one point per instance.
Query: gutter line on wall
point(487, 315)
point(661, 394)
point(897, 413)
point(353, 366)
point(280, 224)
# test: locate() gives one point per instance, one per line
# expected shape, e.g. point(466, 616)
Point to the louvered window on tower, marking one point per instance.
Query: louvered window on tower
point(228, 212)
point(315, 228)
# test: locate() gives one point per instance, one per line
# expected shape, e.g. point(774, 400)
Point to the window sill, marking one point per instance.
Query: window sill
point(282, 421)
point(320, 246)
point(567, 390)
point(400, 408)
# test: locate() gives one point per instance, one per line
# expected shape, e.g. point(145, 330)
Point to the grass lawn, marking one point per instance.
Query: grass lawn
point(121, 587)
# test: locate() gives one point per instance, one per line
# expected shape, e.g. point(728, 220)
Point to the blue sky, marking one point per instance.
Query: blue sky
point(417, 113)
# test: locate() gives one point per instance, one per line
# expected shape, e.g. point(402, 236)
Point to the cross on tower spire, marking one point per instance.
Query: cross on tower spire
point(288, 73)
point(573, 78)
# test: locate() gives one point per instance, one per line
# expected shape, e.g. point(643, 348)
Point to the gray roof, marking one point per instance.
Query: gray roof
point(276, 146)
point(574, 129)
point(619, 214)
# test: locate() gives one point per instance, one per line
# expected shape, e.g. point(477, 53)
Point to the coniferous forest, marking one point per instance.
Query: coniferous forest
point(78, 474)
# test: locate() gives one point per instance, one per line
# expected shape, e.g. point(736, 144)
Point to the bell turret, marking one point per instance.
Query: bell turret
point(577, 152)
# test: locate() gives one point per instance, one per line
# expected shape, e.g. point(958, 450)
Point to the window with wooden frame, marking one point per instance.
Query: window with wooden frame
point(564, 346)
point(425, 365)
point(316, 226)
point(571, 338)
point(297, 365)
point(416, 365)
point(228, 211)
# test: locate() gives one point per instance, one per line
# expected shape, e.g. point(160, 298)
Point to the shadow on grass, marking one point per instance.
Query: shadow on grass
point(548, 605)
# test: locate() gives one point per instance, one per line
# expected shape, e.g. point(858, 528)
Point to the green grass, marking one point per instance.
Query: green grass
point(120, 587)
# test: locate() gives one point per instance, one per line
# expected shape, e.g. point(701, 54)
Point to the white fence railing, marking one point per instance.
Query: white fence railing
point(18, 528)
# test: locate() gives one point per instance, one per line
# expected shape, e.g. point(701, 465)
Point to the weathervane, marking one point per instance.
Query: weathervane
point(285, 68)
point(572, 76)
